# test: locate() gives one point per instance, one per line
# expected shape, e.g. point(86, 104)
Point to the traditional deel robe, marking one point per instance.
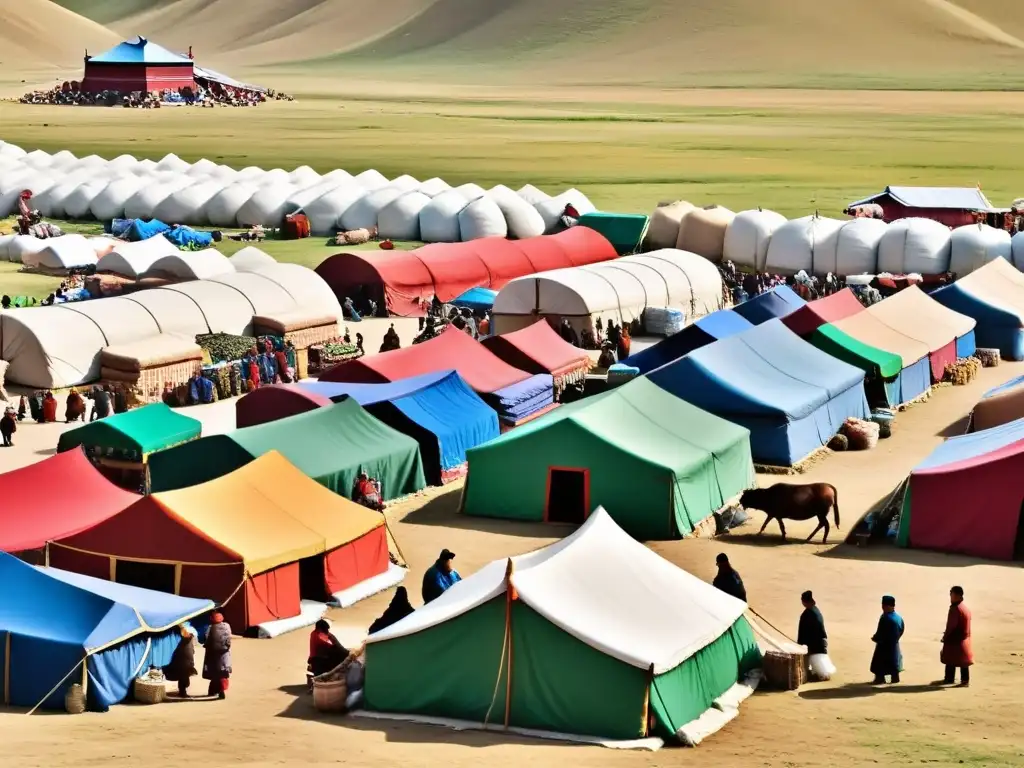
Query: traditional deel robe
point(956, 640)
point(812, 631)
point(436, 582)
point(888, 658)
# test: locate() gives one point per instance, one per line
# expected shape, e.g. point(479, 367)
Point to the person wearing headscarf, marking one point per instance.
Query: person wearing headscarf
point(440, 577)
point(888, 658)
point(956, 640)
point(607, 358)
point(75, 407)
point(728, 579)
point(623, 346)
point(217, 662)
point(325, 650)
point(49, 408)
point(399, 608)
point(251, 369)
point(811, 632)
point(8, 426)
point(182, 668)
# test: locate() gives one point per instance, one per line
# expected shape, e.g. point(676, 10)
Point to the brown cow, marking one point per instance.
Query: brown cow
point(794, 502)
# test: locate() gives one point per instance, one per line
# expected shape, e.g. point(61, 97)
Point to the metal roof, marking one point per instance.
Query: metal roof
point(139, 51)
point(955, 198)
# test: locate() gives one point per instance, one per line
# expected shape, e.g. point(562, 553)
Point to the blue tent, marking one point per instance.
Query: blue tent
point(996, 303)
point(717, 325)
point(139, 51)
point(778, 302)
point(476, 298)
point(439, 410)
point(790, 395)
point(51, 621)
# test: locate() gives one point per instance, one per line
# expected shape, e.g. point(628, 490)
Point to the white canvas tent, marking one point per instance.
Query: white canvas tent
point(62, 253)
point(192, 265)
point(251, 259)
point(135, 259)
point(920, 246)
point(975, 245)
point(746, 238)
point(807, 243)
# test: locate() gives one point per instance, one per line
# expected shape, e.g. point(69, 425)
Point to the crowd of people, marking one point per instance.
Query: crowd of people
point(740, 287)
point(42, 407)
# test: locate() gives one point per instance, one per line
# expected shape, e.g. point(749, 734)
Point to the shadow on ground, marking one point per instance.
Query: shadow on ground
point(443, 511)
point(863, 690)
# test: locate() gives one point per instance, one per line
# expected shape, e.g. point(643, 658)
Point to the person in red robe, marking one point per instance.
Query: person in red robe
point(49, 407)
point(956, 640)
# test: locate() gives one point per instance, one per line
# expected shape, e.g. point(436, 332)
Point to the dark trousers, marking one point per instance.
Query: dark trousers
point(218, 687)
point(183, 687)
point(965, 673)
point(7, 440)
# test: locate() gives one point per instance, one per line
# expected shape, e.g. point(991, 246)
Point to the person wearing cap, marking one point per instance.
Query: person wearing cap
point(728, 579)
point(811, 631)
point(888, 658)
point(956, 640)
point(440, 576)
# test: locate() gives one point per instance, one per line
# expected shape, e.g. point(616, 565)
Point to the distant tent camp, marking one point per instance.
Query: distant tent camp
point(967, 496)
point(331, 445)
point(999, 405)
point(256, 540)
point(137, 65)
point(790, 395)
point(682, 464)
point(53, 622)
point(438, 410)
point(994, 296)
point(538, 349)
point(703, 331)
point(780, 301)
point(56, 497)
point(610, 641)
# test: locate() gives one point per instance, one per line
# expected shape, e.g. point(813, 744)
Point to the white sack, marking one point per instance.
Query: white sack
point(222, 209)
point(400, 219)
point(857, 246)
point(915, 245)
point(746, 238)
point(362, 214)
point(439, 220)
point(325, 212)
point(482, 218)
point(975, 245)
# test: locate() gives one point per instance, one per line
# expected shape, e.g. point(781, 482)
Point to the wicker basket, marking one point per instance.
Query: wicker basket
point(785, 671)
point(74, 700)
point(330, 696)
point(150, 690)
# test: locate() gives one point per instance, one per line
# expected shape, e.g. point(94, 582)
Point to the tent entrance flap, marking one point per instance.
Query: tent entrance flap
point(312, 579)
point(159, 577)
point(1018, 544)
point(568, 495)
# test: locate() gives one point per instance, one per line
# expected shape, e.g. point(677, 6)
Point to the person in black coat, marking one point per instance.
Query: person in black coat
point(811, 632)
point(182, 668)
point(728, 580)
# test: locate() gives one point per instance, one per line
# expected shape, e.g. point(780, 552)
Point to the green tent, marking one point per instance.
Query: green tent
point(659, 465)
point(873, 361)
point(594, 636)
point(332, 445)
point(143, 431)
point(625, 231)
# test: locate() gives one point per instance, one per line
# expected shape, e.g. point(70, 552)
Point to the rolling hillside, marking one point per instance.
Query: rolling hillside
point(967, 43)
point(39, 34)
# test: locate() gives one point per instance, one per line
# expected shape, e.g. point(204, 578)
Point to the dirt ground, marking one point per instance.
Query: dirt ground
point(269, 720)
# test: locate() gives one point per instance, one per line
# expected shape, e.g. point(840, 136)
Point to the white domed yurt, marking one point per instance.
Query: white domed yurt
point(339, 175)
point(23, 247)
point(62, 253)
point(439, 220)
point(325, 212)
point(807, 243)
point(975, 245)
point(301, 197)
point(551, 210)
point(12, 185)
point(663, 229)
point(268, 206)
point(521, 218)
point(915, 246)
point(12, 150)
point(102, 245)
point(371, 179)
point(5, 246)
point(434, 187)
point(38, 159)
point(63, 159)
point(702, 231)
point(142, 204)
point(274, 177)
point(109, 204)
point(1017, 251)
point(251, 259)
point(145, 166)
point(76, 205)
point(482, 218)
point(188, 205)
point(532, 195)
point(471, 191)
point(362, 214)
point(123, 164)
point(400, 219)
point(174, 163)
point(857, 246)
point(50, 203)
point(304, 176)
point(222, 209)
point(250, 173)
point(202, 167)
point(747, 237)
point(406, 183)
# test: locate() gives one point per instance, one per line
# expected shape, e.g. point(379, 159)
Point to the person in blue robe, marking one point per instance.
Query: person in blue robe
point(440, 576)
point(888, 658)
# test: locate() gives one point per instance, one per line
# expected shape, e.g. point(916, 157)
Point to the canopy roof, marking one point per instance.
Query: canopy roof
point(482, 370)
point(994, 296)
point(914, 313)
point(778, 302)
point(1000, 405)
point(330, 445)
point(828, 309)
point(841, 345)
point(53, 498)
point(953, 198)
point(368, 394)
point(703, 331)
point(409, 279)
point(665, 278)
point(92, 614)
point(139, 51)
point(476, 298)
point(537, 349)
point(602, 587)
point(975, 448)
point(148, 429)
point(868, 329)
point(264, 514)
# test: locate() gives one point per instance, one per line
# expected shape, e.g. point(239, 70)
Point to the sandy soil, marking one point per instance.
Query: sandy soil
point(268, 720)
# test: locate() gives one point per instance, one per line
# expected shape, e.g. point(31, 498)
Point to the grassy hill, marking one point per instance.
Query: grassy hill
point(673, 43)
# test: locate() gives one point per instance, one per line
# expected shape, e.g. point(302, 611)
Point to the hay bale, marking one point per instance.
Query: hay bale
point(839, 442)
point(989, 357)
point(862, 435)
point(963, 371)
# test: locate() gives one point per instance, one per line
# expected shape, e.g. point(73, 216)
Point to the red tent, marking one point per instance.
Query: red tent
point(276, 401)
point(829, 309)
point(53, 498)
point(453, 348)
point(538, 349)
point(405, 281)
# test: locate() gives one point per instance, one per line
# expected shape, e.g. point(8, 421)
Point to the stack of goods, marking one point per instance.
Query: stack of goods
point(884, 418)
point(323, 356)
point(301, 329)
point(150, 365)
point(341, 688)
point(151, 688)
point(664, 321)
point(105, 285)
point(296, 226)
point(989, 358)
point(621, 373)
point(963, 371)
point(224, 346)
point(862, 435)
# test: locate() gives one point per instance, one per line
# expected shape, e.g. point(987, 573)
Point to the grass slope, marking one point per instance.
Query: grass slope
point(41, 34)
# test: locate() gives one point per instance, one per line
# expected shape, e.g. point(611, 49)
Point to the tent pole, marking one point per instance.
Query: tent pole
point(112, 575)
point(177, 578)
point(7, 668)
point(510, 596)
point(46, 554)
point(645, 725)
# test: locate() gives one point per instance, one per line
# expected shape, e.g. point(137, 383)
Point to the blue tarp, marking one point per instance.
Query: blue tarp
point(1005, 387)
point(143, 230)
point(186, 237)
point(998, 327)
point(965, 345)
point(790, 395)
point(778, 302)
point(913, 381)
point(520, 401)
point(55, 619)
point(717, 325)
point(476, 298)
point(440, 403)
point(975, 444)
